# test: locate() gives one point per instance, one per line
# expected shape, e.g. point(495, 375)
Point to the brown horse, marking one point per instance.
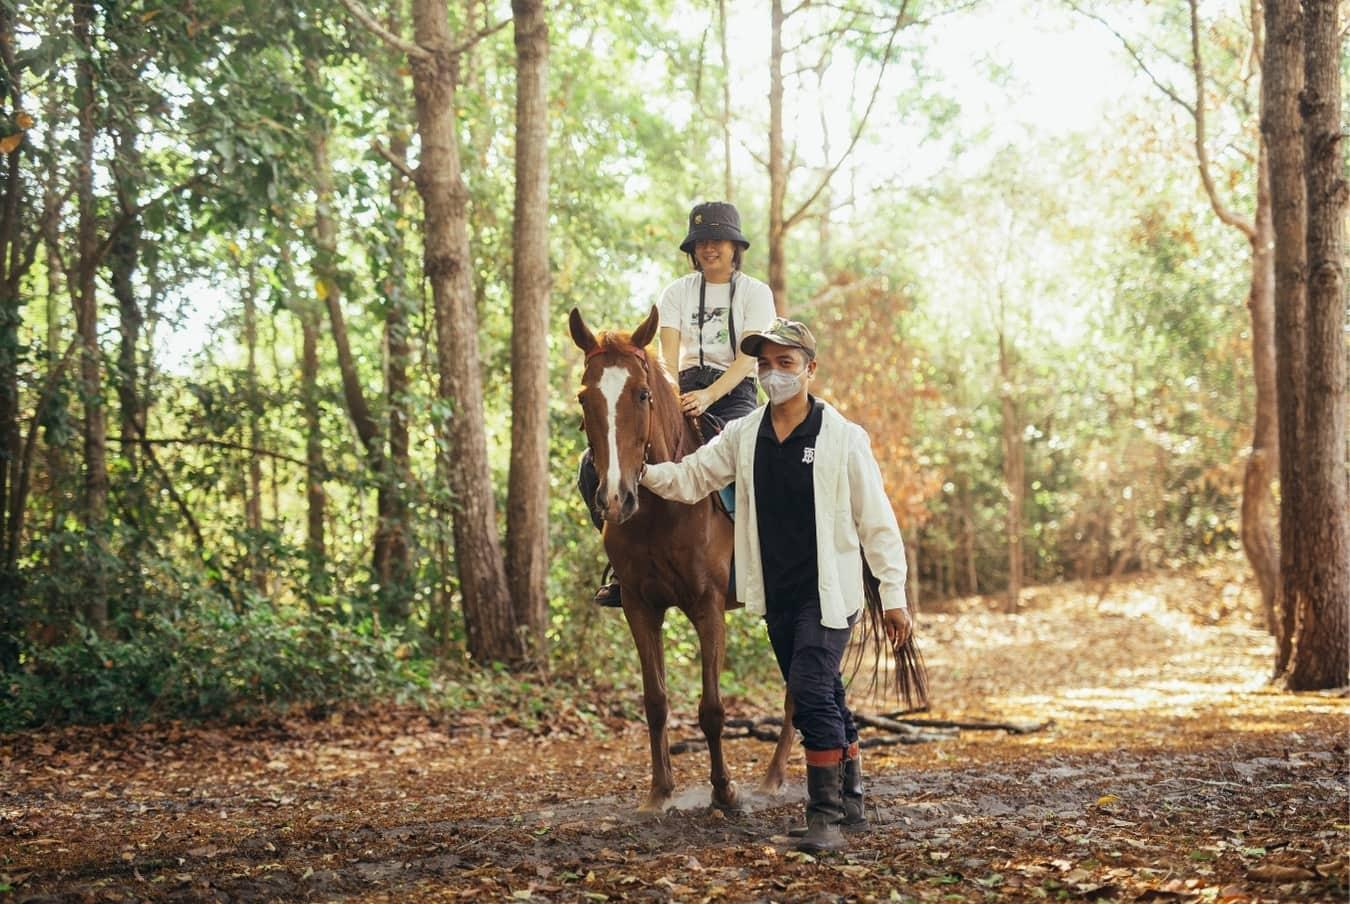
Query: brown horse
point(666, 554)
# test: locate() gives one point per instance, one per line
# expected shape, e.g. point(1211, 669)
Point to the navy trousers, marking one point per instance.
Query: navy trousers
point(809, 656)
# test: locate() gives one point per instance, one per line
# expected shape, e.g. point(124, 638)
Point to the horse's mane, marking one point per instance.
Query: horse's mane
point(680, 434)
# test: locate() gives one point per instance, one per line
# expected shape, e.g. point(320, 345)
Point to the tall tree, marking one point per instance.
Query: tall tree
point(1320, 582)
point(886, 21)
point(253, 484)
point(85, 296)
point(435, 58)
point(527, 500)
point(393, 568)
point(368, 428)
point(728, 188)
point(1014, 466)
point(1282, 80)
point(1258, 500)
point(18, 243)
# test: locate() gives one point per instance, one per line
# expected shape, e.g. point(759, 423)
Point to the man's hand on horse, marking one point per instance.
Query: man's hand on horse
point(898, 625)
point(696, 401)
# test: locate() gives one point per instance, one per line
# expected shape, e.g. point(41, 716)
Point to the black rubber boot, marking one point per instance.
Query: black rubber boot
point(851, 789)
point(824, 810)
point(855, 817)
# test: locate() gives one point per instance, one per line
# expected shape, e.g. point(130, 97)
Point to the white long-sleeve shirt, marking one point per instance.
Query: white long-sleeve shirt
point(852, 512)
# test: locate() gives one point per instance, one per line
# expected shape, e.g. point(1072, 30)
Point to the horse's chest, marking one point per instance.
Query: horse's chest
point(657, 576)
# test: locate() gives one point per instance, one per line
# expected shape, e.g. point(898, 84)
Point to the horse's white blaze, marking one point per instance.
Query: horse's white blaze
point(612, 382)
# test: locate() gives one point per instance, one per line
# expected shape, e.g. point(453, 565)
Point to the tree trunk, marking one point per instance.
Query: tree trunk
point(11, 316)
point(253, 491)
point(1281, 82)
point(392, 564)
point(967, 518)
point(1258, 539)
point(316, 498)
point(393, 605)
point(123, 257)
point(777, 165)
point(527, 506)
point(482, 574)
point(1013, 474)
point(727, 190)
point(95, 502)
point(1321, 656)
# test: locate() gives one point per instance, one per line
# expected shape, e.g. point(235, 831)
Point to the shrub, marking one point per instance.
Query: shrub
point(210, 663)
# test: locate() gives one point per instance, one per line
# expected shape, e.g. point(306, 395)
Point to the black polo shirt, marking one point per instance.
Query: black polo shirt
point(785, 506)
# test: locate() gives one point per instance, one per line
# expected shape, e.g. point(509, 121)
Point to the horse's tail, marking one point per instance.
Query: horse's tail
point(910, 679)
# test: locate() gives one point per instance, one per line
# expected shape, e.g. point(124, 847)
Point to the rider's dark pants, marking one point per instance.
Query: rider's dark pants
point(809, 656)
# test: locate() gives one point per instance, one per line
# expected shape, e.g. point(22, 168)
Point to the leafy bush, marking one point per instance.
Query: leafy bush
point(211, 663)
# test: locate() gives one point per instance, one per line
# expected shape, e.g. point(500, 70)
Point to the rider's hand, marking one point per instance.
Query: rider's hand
point(696, 401)
point(898, 626)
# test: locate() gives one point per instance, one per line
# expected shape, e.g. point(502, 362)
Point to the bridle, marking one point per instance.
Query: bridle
point(641, 355)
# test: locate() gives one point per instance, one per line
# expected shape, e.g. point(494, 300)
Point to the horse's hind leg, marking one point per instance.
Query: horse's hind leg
point(645, 624)
point(711, 630)
point(776, 775)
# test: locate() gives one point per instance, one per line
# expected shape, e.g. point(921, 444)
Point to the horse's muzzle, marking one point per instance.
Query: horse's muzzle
point(617, 507)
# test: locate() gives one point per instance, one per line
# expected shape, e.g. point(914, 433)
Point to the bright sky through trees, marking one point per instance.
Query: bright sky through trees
point(1018, 71)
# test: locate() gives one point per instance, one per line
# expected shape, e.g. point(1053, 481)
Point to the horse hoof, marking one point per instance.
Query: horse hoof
point(770, 788)
point(728, 800)
point(655, 805)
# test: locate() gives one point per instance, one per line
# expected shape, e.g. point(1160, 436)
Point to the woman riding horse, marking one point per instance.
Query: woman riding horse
point(702, 316)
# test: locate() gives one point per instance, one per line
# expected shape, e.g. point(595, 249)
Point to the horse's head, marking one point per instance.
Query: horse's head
point(617, 409)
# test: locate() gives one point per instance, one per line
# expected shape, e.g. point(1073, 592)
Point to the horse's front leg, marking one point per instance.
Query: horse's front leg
point(645, 625)
point(711, 628)
point(776, 775)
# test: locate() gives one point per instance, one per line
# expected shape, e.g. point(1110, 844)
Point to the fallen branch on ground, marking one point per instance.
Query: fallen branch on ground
point(901, 730)
point(974, 725)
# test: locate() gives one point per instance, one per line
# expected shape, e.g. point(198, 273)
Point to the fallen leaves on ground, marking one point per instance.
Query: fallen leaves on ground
point(1170, 772)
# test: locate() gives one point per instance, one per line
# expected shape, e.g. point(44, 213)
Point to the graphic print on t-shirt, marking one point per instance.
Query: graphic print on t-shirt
point(713, 327)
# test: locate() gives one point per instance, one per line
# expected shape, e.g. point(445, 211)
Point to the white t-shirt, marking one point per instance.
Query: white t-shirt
point(754, 311)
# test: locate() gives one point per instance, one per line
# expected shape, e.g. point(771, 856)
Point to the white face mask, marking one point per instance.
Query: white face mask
point(781, 385)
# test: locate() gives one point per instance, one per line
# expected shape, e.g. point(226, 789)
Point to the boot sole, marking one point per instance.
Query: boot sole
point(821, 848)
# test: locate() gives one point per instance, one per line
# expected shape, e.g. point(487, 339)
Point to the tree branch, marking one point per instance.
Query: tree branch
point(148, 441)
point(800, 212)
point(21, 480)
point(128, 214)
point(1247, 227)
point(371, 24)
point(396, 161)
point(1138, 59)
point(478, 36)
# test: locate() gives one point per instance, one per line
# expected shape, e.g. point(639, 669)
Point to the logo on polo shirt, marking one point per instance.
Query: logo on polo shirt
point(808, 455)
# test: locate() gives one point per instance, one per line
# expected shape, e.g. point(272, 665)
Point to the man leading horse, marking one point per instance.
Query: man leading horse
point(809, 498)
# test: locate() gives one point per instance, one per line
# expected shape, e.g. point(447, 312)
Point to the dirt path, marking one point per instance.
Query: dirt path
point(1170, 773)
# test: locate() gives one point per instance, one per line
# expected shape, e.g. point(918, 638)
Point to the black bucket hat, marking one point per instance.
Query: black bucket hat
point(713, 221)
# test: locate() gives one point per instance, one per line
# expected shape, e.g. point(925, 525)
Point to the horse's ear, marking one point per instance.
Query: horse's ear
point(643, 335)
point(581, 333)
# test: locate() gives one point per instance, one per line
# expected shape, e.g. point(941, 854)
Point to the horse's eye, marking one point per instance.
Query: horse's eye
point(644, 395)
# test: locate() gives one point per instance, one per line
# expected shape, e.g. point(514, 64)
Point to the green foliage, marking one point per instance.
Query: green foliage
point(1094, 255)
point(209, 662)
